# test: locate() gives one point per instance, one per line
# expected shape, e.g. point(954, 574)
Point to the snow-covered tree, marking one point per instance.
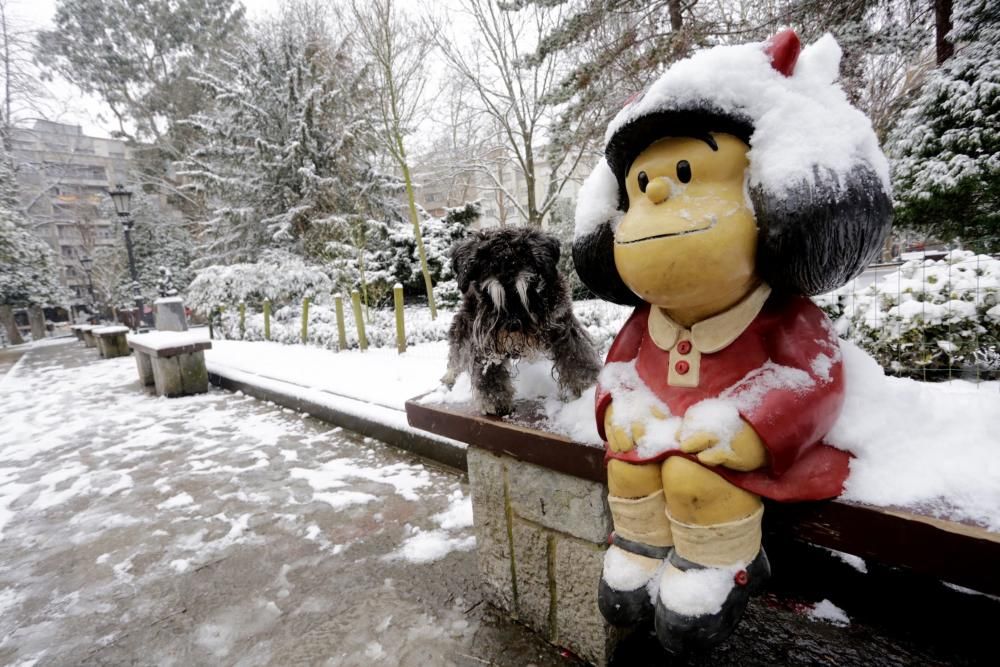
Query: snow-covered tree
point(285, 147)
point(283, 278)
point(946, 147)
point(28, 268)
point(160, 238)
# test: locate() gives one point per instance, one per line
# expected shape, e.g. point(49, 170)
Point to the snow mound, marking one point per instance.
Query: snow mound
point(829, 612)
point(930, 447)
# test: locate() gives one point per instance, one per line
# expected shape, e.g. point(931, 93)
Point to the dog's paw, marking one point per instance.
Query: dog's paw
point(496, 406)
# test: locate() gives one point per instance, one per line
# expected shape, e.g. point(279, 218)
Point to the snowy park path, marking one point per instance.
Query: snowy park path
point(217, 529)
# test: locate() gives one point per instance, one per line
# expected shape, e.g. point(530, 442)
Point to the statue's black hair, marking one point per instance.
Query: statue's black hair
point(817, 235)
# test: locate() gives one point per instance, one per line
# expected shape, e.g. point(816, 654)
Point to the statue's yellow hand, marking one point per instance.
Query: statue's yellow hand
point(622, 439)
point(746, 451)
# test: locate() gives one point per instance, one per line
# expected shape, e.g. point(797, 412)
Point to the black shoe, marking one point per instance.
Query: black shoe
point(626, 608)
point(679, 633)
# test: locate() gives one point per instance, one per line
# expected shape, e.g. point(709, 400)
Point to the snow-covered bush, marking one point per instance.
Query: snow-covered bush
point(601, 319)
point(929, 319)
point(281, 277)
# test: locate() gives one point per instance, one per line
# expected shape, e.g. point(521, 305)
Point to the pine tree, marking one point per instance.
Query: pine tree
point(28, 268)
point(285, 150)
point(946, 147)
point(159, 239)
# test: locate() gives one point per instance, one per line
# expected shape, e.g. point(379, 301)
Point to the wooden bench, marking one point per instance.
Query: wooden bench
point(538, 497)
point(173, 362)
point(111, 341)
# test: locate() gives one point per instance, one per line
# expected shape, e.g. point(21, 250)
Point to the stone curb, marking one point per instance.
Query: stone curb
point(338, 410)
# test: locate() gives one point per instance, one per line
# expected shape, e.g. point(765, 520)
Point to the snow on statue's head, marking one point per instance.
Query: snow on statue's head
point(815, 185)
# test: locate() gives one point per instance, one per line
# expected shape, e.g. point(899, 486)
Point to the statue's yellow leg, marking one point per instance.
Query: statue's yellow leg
point(713, 523)
point(638, 510)
point(696, 495)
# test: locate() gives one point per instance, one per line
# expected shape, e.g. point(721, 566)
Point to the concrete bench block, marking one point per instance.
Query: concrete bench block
point(559, 502)
point(112, 345)
point(145, 367)
point(89, 339)
point(541, 537)
point(493, 537)
point(180, 375)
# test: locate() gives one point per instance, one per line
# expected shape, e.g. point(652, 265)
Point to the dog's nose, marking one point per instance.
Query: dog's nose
point(515, 326)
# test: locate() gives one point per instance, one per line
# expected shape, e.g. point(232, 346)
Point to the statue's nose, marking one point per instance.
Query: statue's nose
point(658, 189)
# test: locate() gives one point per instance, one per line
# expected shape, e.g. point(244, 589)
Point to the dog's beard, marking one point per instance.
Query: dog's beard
point(496, 343)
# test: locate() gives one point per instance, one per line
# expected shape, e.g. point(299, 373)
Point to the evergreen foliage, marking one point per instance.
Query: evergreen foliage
point(947, 144)
point(29, 273)
point(283, 159)
point(159, 239)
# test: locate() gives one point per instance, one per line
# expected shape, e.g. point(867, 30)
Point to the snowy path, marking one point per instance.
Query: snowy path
point(217, 529)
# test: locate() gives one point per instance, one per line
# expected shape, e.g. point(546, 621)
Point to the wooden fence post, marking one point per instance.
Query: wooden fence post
point(358, 320)
point(338, 302)
point(243, 320)
point(211, 329)
point(267, 319)
point(397, 297)
point(305, 320)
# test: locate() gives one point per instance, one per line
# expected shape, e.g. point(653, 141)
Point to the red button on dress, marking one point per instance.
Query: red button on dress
point(684, 346)
point(682, 367)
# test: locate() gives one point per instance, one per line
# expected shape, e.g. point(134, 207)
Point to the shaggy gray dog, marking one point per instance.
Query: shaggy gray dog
point(514, 304)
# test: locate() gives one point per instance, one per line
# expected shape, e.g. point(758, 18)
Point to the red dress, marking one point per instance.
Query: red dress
point(790, 337)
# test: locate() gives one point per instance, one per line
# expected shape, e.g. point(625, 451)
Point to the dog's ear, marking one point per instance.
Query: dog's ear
point(546, 251)
point(462, 255)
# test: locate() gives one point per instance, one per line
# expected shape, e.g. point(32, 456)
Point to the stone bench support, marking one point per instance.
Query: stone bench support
point(174, 369)
point(541, 537)
point(111, 341)
point(89, 340)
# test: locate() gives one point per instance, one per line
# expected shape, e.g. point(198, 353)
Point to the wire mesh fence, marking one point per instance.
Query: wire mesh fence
point(929, 319)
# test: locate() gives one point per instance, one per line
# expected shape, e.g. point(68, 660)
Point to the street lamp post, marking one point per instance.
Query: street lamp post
point(88, 264)
point(122, 199)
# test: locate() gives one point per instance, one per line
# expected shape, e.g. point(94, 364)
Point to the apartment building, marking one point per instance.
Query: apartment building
point(63, 177)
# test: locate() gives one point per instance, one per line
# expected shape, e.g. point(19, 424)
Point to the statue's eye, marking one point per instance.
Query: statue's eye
point(684, 171)
point(643, 181)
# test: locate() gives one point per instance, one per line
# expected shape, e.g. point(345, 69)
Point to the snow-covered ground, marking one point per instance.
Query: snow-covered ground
point(931, 447)
point(216, 529)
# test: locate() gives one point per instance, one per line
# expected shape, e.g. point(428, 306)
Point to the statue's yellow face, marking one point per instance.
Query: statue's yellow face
point(689, 238)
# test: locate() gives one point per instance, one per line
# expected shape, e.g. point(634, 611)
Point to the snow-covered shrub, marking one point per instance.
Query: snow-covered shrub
point(929, 319)
point(380, 329)
point(601, 319)
point(281, 277)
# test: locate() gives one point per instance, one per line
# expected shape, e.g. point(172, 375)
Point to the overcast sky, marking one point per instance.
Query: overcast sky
point(70, 105)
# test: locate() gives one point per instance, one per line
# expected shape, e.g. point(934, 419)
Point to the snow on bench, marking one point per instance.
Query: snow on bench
point(108, 331)
point(172, 361)
point(169, 343)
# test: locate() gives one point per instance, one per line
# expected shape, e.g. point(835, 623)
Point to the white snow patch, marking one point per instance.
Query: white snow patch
point(829, 612)
point(624, 572)
point(459, 513)
point(696, 592)
point(180, 500)
point(432, 545)
point(716, 416)
point(925, 446)
point(597, 201)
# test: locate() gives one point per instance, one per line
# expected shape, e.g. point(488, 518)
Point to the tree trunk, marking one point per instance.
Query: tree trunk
point(7, 319)
point(36, 316)
point(416, 233)
point(942, 21)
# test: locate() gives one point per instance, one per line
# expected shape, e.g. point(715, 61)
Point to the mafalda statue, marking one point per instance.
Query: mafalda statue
point(738, 184)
